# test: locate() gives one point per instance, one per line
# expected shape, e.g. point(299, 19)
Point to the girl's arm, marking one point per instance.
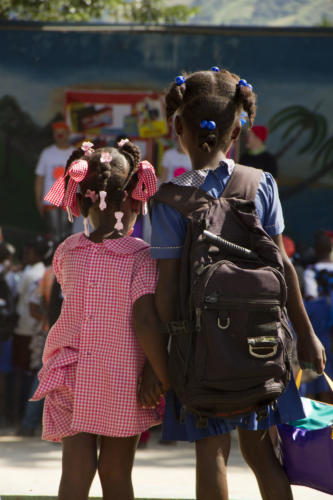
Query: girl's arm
point(311, 353)
point(149, 333)
point(166, 294)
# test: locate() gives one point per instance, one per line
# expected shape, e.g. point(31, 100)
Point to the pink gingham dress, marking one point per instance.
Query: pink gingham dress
point(92, 359)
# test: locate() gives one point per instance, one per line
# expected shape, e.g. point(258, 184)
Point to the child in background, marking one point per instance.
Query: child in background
point(174, 163)
point(39, 304)
point(7, 324)
point(318, 293)
point(208, 107)
point(35, 253)
point(92, 360)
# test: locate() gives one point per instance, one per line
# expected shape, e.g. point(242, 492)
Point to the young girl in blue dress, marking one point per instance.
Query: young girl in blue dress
point(208, 107)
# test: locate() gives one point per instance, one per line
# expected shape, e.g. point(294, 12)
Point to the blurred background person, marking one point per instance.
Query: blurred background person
point(318, 294)
point(256, 154)
point(45, 306)
point(35, 252)
point(174, 163)
point(50, 166)
point(8, 318)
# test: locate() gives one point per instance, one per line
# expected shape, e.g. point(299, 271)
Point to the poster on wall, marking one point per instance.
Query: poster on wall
point(104, 116)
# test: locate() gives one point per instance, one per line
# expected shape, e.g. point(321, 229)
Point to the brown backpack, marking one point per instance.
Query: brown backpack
point(230, 351)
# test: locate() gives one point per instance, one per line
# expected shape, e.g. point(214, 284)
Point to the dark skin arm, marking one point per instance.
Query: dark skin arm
point(311, 353)
point(166, 294)
point(150, 388)
point(36, 311)
point(149, 334)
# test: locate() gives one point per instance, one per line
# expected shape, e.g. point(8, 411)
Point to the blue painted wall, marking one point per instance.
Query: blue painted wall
point(286, 67)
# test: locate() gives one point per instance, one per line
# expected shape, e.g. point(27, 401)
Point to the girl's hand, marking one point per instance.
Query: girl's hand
point(311, 353)
point(149, 388)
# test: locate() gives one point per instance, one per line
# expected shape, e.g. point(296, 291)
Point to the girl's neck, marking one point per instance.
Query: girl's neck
point(202, 160)
point(99, 236)
point(107, 231)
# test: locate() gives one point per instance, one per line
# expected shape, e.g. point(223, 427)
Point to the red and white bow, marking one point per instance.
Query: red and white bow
point(147, 184)
point(66, 198)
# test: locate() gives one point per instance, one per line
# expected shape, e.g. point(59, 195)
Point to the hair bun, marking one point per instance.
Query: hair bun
point(133, 150)
point(208, 143)
point(174, 99)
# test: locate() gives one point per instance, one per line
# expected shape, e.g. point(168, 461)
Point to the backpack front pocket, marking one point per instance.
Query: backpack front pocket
point(242, 341)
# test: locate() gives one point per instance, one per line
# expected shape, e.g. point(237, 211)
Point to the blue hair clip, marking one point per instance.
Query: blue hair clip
point(208, 124)
point(243, 83)
point(243, 118)
point(215, 68)
point(180, 80)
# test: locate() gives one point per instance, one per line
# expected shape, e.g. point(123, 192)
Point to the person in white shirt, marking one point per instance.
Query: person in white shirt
point(174, 163)
point(50, 166)
point(324, 262)
point(27, 326)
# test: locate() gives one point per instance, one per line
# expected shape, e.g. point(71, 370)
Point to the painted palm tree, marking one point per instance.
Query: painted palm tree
point(301, 122)
point(324, 158)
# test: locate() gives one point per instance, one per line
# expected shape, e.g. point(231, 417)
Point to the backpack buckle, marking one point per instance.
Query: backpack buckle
point(223, 323)
point(263, 347)
point(178, 327)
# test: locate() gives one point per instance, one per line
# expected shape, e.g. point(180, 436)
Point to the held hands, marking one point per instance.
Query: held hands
point(150, 389)
point(311, 353)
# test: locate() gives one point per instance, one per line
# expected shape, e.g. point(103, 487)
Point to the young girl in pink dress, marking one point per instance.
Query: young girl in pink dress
point(93, 360)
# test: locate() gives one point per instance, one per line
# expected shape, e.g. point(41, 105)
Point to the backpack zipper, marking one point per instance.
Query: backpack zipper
point(197, 319)
point(212, 299)
point(278, 274)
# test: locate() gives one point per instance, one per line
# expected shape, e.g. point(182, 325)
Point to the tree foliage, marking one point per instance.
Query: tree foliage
point(134, 11)
point(157, 12)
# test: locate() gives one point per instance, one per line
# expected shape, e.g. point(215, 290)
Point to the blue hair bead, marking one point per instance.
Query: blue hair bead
point(243, 118)
point(203, 124)
point(180, 80)
point(243, 83)
point(215, 68)
point(211, 125)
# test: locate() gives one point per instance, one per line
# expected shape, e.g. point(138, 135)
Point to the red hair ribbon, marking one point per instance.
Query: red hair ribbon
point(60, 197)
point(147, 183)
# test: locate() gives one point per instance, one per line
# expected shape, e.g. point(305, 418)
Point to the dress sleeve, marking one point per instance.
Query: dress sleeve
point(168, 232)
point(269, 206)
point(57, 262)
point(145, 278)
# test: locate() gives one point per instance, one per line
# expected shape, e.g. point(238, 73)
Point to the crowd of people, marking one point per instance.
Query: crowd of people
point(92, 381)
point(30, 304)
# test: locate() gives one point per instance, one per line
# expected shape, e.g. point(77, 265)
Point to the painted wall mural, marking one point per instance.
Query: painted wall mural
point(43, 68)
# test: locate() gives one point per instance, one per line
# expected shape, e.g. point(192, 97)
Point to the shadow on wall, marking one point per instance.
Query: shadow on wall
point(21, 141)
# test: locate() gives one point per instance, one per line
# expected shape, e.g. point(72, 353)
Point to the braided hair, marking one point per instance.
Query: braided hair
point(113, 176)
point(211, 95)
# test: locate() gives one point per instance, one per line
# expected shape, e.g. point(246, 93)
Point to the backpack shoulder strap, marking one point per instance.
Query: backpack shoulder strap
point(243, 183)
point(185, 199)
